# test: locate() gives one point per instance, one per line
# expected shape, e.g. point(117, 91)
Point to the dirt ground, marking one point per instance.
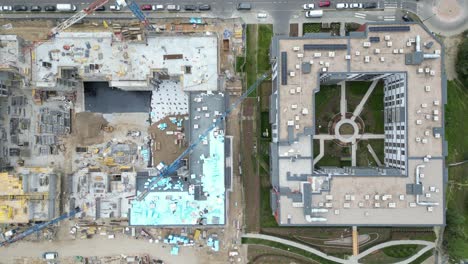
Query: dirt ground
point(168, 150)
point(28, 29)
point(101, 246)
point(250, 177)
point(87, 128)
point(451, 49)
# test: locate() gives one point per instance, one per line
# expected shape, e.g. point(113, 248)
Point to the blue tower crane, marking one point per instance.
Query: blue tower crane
point(39, 227)
point(176, 164)
point(139, 14)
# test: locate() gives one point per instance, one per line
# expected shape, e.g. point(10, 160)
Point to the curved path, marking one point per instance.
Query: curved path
point(353, 259)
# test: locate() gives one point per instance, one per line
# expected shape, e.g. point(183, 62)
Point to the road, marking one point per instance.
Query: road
point(279, 12)
point(353, 259)
point(447, 17)
point(99, 246)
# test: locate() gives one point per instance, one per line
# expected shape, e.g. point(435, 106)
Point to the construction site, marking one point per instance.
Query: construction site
point(119, 130)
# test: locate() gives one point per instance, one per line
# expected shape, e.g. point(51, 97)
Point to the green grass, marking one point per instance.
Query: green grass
point(455, 122)
point(251, 59)
point(311, 27)
point(265, 33)
point(456, 231)
point(240, 64)
point(286, 248)
point(423, 257)
point(372, 114)
point(400, 251)
point(266, 216)
point(258, 49)
point(327, 104)
point(364, 158)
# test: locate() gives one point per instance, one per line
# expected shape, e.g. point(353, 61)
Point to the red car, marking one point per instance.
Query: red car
point(146, 7)
point(324, 3)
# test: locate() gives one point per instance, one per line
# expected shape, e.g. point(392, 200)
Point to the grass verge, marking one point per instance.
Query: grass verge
point(286, 248)
point(456, 231)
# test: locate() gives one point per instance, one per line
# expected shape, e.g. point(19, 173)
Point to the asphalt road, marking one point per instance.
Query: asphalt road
point(279, 12)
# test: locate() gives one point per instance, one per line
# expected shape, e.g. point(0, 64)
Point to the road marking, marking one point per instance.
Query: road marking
point(363, 16)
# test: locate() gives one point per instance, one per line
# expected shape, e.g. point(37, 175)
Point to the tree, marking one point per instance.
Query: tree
point(462, 60)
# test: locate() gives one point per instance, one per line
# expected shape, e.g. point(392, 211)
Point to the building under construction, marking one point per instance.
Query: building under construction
point(29, 194)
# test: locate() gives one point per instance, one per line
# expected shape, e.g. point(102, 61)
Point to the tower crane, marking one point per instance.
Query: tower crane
point(39, 227)
point(77, 17)
point(89, 10)
point(176, 164)
point(95, 5)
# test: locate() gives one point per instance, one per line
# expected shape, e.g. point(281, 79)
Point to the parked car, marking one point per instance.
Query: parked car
point(342, 5)
point(324, 3)
point(204, 7)
point(244, 6)
point(308, 6)
point(158, 7)
point(50, 8)
point(66, 8)
point(101, 8)
point(369, 5)
point(407, 18)
point(355, 5)
point(35, 8)
point(173, 7)
point(146, 7)
point(115, 8)
point(20, 8)
point(6, 8)
point(190, 8)
point(262, 15)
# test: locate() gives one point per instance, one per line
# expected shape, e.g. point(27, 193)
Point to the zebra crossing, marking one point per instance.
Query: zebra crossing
point(360, 15)
point(389, 18)
point(392, 4)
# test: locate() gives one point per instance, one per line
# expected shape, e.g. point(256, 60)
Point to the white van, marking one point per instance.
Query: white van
point(66, 7)
point(314, 13)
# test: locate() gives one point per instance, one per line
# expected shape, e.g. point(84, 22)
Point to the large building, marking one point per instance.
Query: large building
point(406, 187)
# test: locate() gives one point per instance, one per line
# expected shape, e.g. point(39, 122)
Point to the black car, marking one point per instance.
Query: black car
point(204, 7)
point(35, 8)
point(190, 7)
point(50, 8)
point(369, 5)
point(406, 18)
point(20, 8)
point(101, 8)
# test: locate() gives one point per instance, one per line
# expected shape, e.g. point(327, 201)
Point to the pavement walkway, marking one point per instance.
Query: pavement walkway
point(352, 259)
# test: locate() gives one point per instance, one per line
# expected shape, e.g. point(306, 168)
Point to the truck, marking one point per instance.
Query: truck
point(66, 8)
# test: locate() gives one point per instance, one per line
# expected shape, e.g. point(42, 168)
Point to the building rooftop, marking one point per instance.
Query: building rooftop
point(414, 98)
point(190, 60)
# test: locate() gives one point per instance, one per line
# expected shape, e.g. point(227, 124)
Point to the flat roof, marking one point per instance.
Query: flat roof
point(294, 119)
